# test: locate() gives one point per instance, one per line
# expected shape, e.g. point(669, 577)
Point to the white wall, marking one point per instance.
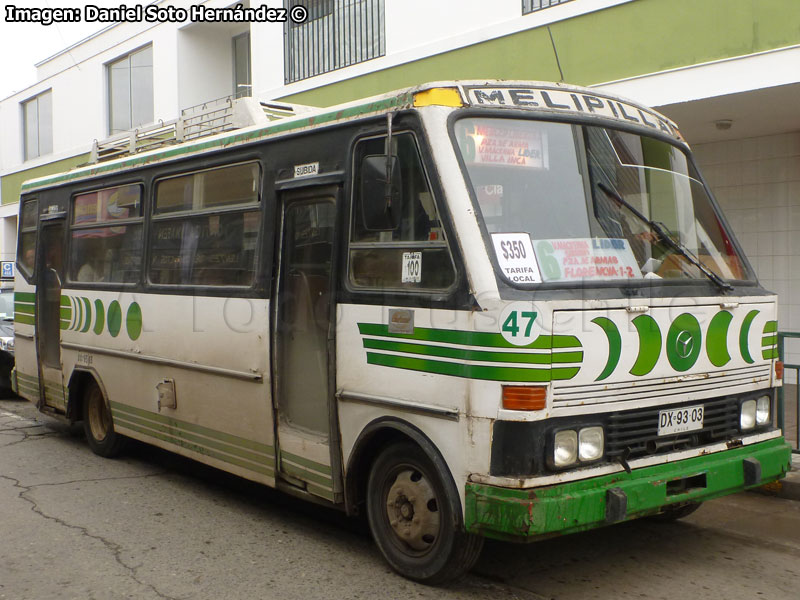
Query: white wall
point(205, 62)
point(757, 183)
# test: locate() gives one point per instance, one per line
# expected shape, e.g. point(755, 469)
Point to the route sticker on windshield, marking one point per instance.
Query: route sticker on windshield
point(515, 256)
point(578, 259)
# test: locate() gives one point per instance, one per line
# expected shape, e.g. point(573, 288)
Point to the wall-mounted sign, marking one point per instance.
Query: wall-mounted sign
point(7, 269)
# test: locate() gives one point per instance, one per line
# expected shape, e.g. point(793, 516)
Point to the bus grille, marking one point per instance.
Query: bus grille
point(634, 433)
point(712, 384)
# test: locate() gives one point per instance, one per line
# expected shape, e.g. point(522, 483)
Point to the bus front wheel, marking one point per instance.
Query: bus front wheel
point(98, 425)
point(415, 517)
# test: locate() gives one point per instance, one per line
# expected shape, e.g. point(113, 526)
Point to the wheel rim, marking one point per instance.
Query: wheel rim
point(99, 417)
point(412, 510)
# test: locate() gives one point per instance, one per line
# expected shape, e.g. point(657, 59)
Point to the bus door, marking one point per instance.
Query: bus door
point(304, 344)
point(49, 275)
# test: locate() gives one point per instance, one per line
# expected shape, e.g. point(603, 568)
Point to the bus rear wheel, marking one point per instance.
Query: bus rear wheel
point(415, 517)
point(98, 424)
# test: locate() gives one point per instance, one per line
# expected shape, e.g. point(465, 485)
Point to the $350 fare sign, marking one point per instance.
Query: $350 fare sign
point(515, 256)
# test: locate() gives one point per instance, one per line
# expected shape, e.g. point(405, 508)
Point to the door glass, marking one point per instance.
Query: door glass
point(49, 296)
point(304, 314)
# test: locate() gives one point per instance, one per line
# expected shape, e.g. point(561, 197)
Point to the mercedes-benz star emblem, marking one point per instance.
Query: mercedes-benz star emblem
point(684, 344)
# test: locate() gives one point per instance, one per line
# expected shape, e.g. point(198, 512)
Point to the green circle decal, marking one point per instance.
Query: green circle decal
point(114, 318)
point(684, 342)
point(133, 321)
point(100, 318)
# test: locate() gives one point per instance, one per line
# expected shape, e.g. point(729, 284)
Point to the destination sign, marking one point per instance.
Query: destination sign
point(572, 101)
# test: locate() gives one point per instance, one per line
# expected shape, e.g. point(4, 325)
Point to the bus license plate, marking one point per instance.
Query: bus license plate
point(678, 420)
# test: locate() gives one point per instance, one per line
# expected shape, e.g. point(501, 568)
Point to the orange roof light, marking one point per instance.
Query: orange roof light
point(779, 369)
point(524, 397)
point(438, 97)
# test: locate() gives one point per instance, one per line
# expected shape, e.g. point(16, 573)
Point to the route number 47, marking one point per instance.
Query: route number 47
point(513, 323)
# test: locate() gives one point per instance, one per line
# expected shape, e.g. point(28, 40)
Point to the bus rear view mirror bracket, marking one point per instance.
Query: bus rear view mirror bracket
point(380, 195)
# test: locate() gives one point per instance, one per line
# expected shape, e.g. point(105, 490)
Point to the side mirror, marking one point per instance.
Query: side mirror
point(380, 195)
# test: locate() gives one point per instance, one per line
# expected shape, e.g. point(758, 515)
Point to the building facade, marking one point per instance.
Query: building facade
point(727, 71)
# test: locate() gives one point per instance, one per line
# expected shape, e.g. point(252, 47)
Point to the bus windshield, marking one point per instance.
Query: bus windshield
point(560, 201)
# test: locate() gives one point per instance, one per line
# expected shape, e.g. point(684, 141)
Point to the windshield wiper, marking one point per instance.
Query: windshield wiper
point(664, 237)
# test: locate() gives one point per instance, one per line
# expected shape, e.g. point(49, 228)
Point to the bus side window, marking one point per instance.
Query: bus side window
point(106, 232)
point(414, 254)
point(26, 253)
point(205, 227)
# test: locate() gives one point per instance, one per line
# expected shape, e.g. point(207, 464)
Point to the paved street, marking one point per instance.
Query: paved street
point(153, 525)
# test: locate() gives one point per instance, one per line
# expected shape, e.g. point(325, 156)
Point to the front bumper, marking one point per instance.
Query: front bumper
point(533, 513)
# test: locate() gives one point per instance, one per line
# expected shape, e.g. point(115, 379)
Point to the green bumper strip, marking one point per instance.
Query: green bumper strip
point(526, 514)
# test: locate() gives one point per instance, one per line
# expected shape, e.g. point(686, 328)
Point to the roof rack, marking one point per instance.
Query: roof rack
point(208, 118)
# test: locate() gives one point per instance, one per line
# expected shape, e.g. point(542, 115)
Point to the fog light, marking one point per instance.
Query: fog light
point(565, 448)
point(762, 410)
point(747, 418)
point(590, 443)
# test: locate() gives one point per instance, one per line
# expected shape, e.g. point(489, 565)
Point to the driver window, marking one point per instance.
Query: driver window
point(407, 251)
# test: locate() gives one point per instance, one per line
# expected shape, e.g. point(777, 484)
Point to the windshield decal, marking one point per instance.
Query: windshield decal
point(516, 258)
point(580, 259)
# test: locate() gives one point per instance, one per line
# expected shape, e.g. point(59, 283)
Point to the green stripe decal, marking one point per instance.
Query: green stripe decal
point(305, 462)
point(32, 378)
point(771, 327)
point(769, 354)
point(470, 338)
point(191, 427)
point(88, 311)
point(125, 419)
point(614, 345)
point(24, 319)
point(471, 371)
point(25, 308)
point(305, 474)
point(321, 492)
point(744, 334)
point(25, 297)
point(100, 318)
point(463, 354)
point(649, 345)
point(257, 468)
point(717, 340)
point(769, 341)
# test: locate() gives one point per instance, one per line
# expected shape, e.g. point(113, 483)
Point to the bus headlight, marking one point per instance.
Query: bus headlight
point(762, 410)
point(747, 416)
point(584, 445)
point(565, 448)
point(590, 443)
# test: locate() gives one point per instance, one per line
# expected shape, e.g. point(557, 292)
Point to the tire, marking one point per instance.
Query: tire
point(415, 517)
point(675, 512)
point(98, 424)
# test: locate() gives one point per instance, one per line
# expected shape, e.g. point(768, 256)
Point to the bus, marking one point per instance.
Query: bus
point(466, 310)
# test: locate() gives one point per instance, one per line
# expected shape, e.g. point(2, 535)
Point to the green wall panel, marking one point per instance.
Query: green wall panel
point(636, 38)
point(11, 183)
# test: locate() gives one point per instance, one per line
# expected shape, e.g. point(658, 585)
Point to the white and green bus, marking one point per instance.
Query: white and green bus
point(467, 309)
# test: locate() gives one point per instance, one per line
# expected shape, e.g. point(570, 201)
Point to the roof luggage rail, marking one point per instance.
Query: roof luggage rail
point(201, 120)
